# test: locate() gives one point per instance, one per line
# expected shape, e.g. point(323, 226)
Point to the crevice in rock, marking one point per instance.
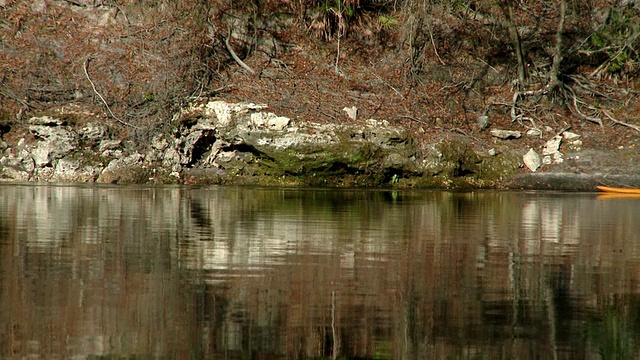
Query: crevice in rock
point(461, 169)
point(201, 147)
point(246, 148)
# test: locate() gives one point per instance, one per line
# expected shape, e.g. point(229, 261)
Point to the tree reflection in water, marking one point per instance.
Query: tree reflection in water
point(238, 273)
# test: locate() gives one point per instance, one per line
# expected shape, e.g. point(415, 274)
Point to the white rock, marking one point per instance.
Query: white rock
point(38, 6)
point(551, 147)
point(171, 159)
point(93, 132)
point(56, 142)
point(534, 132)
point(107, 18)
point(483, 122)
point(112, 153)
point(352, 112)
point(558, 158)
point(270, 120)
point(41, 156)
point(72, 170)
point(532, 160)
point(159, 142)
point(225, 112)
point(109, 145)
point(15, 174)
point(132, 159)
point(45, 120)
point(23, 160)
point(374, 122)
point(569, 136)
point(42, 174)
point(506, 134)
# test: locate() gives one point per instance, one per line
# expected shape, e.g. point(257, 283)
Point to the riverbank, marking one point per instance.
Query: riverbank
point(294, 107)
point(223, 143)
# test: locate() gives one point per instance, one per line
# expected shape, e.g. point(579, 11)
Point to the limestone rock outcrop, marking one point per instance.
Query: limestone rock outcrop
point(217, 142)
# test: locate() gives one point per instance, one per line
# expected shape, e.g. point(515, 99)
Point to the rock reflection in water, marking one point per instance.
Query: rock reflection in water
point(180, 272)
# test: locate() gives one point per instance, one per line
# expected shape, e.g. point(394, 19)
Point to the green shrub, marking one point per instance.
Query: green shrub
point(617, 39)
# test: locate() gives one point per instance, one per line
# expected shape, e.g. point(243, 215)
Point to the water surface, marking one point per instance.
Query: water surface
point(241, 273)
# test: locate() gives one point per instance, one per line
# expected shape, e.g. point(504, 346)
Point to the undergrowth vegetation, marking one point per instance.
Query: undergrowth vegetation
point(143, 59)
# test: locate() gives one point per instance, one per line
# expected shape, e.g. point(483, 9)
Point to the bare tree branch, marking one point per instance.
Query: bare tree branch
point(433, 43)
point(93, 86)
point(235, 57)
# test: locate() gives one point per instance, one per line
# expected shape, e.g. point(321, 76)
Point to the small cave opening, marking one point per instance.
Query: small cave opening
point(201, 147)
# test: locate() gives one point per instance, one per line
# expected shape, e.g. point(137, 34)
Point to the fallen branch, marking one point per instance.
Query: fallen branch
point(386, 83)
point(327, 115)
point(455, 129)
point(458, 130)
point(8, 94)
point(76, 3)
point(413, 119)
point(235, 57)
point(93, 86)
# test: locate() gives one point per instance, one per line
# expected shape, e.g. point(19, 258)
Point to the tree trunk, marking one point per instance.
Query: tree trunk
point(554, 72)
point(507, 10)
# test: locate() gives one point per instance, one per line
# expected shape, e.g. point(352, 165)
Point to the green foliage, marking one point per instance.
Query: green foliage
point(388, 22)
point(340, 17)
point(344, 8)
point(617, 37)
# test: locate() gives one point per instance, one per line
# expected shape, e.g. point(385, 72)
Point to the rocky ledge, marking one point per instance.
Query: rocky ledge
point(244, 144)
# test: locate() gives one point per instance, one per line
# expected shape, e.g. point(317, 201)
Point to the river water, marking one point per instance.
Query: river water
point(245, 273)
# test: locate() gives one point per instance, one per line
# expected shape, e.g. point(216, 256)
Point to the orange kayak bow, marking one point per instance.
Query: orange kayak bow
point(619, 190)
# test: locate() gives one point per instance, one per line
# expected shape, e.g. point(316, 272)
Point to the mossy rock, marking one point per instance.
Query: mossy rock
point(455, 164)
point(346, 162)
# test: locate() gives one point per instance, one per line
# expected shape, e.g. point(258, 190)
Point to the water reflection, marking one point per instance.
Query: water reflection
point(235, 273)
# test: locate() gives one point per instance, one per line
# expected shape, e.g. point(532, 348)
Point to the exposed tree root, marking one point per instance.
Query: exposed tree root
point(575, 105)
point(519, 115)
point(618, 122)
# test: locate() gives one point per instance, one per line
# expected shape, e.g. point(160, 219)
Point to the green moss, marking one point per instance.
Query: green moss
point(460, 167)
point(367, 164)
